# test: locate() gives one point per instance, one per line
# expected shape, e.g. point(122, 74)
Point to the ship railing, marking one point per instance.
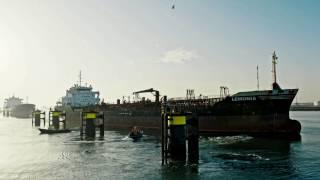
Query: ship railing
point(194, 102)
point(196, 97)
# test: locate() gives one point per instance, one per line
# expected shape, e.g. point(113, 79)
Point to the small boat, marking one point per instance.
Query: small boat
point(53, 131)
point(135, 136)
point(135, 133)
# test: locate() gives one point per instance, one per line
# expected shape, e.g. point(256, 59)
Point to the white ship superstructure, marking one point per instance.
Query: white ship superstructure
point(80, 96)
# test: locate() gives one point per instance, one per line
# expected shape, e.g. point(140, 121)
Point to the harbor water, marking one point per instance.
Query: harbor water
point(25, 154)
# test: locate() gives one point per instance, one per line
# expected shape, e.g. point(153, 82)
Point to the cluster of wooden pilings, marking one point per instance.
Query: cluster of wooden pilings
point(57, 119)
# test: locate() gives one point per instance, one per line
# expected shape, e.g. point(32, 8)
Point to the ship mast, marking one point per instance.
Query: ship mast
point(275, 85)
point(274, 70)
point(80, 78)
point(258, 84)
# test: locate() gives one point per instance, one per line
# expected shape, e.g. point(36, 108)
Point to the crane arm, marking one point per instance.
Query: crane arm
point(145, 91)
point(151, 90)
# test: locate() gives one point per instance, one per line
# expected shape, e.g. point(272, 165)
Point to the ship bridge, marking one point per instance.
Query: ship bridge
point(80, 96)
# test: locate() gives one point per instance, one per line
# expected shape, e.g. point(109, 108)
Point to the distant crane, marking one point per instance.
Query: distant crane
point(151, 90)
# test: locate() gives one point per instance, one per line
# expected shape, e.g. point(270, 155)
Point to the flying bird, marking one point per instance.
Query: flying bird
point(173, 5)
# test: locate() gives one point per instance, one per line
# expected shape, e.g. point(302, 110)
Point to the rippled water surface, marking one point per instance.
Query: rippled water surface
point(25, 154)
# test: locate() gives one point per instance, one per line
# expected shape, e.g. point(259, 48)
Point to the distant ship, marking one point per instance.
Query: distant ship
point(14, 106)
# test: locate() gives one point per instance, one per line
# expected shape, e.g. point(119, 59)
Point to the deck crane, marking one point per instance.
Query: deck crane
point(152, 91)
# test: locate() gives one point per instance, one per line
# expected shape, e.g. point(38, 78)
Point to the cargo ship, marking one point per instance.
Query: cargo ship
point(256, 113)
point(262, 112)
point(14, 106)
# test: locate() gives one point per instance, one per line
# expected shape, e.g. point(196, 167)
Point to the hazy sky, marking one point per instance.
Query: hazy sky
point(127, 45)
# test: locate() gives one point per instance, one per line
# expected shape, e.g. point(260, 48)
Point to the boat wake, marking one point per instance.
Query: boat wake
point(242, 157)
point(125, 138)
point(225, 140)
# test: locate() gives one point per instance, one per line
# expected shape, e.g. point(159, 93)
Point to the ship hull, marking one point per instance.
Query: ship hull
point(23, 111)
point(253, 113)
point(216, 125)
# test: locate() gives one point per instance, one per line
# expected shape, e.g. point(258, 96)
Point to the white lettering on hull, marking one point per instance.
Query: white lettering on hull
point(249, 98)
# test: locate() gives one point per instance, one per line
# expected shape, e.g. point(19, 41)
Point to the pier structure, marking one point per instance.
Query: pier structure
point(89, 122)
point(57, 117)
point(37, 116)
point(6, 112)
point(179, 136)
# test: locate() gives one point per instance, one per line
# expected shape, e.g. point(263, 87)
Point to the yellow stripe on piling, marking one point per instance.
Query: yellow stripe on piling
point(90, 116)
point(55, 114)
point(177, 120)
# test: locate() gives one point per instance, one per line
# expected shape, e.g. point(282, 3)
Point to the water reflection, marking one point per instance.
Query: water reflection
point(227, 157)
point(180, 170)
point(27, 155)
point(271, 157)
